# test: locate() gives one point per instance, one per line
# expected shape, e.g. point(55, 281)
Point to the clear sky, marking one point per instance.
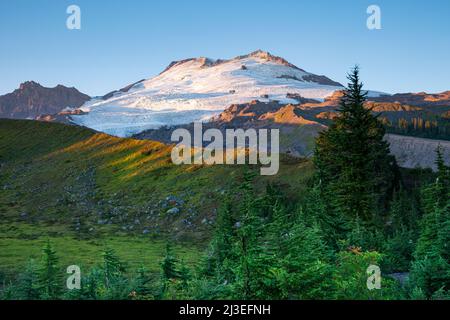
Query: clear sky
point(121, 42)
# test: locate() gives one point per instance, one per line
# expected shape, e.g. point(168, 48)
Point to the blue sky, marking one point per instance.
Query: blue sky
point(124, 41)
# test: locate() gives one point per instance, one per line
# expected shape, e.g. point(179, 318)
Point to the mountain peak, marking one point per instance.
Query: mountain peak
point(267, 56)
point(258, 54)
point(33, 85)
point(261, 54)
point(29, 84)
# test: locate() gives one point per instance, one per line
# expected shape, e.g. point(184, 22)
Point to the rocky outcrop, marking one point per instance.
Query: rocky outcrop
point(61, 117)
point(32, 100)
point(327, 115)
point(287, 115)
point(412, 152)
point(321, 80)
point(124, 89)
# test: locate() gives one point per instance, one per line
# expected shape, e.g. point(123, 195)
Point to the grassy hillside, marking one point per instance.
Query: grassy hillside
point(86, 190)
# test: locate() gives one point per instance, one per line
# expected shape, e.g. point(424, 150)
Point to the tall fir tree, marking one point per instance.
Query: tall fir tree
point(355, 170)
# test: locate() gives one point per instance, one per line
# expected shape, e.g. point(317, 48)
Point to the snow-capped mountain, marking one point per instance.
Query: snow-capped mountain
point(199, 88)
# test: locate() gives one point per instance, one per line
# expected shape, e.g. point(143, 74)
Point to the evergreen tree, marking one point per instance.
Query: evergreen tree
point(175, 277)
point(350, 278)
point(50, 281)
point(307, 269)
point(430, 271)
point(8, 291)
point(116, 285)
point(222, 255)
point(443, 172)
point(91, 284)
point(364, 236)
point(184, 275)
point(169, 264)
point(112, 268)
point(435, 198)
point(143, 284)
point(399, 249)
point(28, 286)
point(315, 211)
point(248, 232)
point(279, 228)
point(352, 159)
point(252, 251)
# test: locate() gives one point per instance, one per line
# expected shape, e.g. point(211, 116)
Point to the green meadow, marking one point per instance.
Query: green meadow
point(87, 191)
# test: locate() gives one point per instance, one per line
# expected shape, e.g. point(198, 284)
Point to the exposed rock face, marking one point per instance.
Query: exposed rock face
point(124, 89)
point(327, 115)
point(321, 80)
point(240, 113)
point(32, 100)
point(264, 114)
point(412, 152)
point(287, 115)
point(62, 117)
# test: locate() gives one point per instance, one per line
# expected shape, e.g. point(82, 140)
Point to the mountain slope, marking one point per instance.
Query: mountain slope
point(73, 179)
point(196, 89)
point(31, 100)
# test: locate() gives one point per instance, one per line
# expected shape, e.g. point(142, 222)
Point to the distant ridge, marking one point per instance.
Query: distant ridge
point(31, 100)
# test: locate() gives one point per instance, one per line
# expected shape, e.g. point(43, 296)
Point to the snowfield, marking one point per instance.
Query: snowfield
point(197, 89)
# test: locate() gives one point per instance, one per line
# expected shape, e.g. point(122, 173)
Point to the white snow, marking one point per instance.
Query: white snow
point(193, 91)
